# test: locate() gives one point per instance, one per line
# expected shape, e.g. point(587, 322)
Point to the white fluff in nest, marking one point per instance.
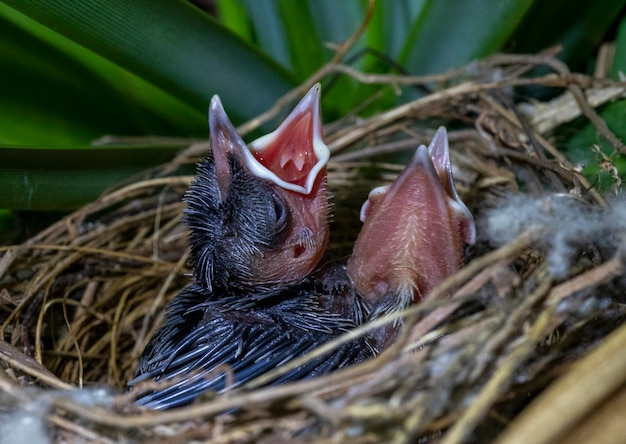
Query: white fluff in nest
point(568, 224)
point(27, 423)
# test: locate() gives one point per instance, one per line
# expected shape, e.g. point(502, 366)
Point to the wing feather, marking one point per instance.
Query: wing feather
point(247, 336)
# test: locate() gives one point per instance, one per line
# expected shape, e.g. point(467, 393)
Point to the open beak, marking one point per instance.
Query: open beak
point(414, 230)
point(293, 160)
point(295, 155)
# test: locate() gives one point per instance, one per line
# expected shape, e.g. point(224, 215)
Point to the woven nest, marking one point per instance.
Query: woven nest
point(519, 352)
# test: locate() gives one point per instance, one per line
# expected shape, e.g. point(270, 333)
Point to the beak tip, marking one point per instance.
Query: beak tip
point(439, 147)
point(311, 102)
point(441, 133)
point(314, 93)
point(216, 113)
point(215, 107)
point(421, 161)
point(421, 154)
point(219, 123)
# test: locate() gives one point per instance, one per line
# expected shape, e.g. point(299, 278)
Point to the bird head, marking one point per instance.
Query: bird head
point(258, 215)
point(414, 230)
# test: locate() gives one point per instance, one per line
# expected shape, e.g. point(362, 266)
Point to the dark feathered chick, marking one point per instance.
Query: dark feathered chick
point(413, 235)
point(258, 229)
point(259, 217)
point(207, 337)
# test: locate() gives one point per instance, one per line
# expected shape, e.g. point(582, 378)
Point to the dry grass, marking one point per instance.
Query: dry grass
point(80, 300)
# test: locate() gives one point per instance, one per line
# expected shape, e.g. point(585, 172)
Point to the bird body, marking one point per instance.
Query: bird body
point(413, 235)
point(260, 296)
point(215, 343)
point(249, 226)
point(258, 229)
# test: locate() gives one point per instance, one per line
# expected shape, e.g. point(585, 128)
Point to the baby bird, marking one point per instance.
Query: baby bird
point(259, 216)
point(258, 229)
point(413, 235)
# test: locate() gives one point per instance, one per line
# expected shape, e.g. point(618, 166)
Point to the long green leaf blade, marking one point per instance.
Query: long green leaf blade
point(173, 45)
point(393, 22)
point(619, 62)
point(57, 93)
point(297, 21)
point(449, 33)
point(64, 179)
point(578, 27)
point(234, 15)
point(269, 32)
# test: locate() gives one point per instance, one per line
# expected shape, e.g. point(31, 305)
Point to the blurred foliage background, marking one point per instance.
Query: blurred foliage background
point(74, 71)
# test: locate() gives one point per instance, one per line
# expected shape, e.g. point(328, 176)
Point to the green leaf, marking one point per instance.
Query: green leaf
point(619, 62)
point(269, 31)
point(305, 47)
point(577, 26)
point(335, 22)
point(171, 44)
point(234, 15)
point(579, 146)
point(64, 179)
point(449, 33)
point(393, 22)
point(57, 93)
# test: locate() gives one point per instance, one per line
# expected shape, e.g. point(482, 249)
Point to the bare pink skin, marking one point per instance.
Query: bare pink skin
point(297, 155)
point(413, 232)
point(308, 238)
point(293, 159)
point(290, 154)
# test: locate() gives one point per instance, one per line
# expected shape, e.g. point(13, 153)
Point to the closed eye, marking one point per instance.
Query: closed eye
point(282, 217)
point(281, 211)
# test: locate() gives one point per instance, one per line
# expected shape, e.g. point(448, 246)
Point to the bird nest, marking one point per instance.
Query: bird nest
point(528, 345)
